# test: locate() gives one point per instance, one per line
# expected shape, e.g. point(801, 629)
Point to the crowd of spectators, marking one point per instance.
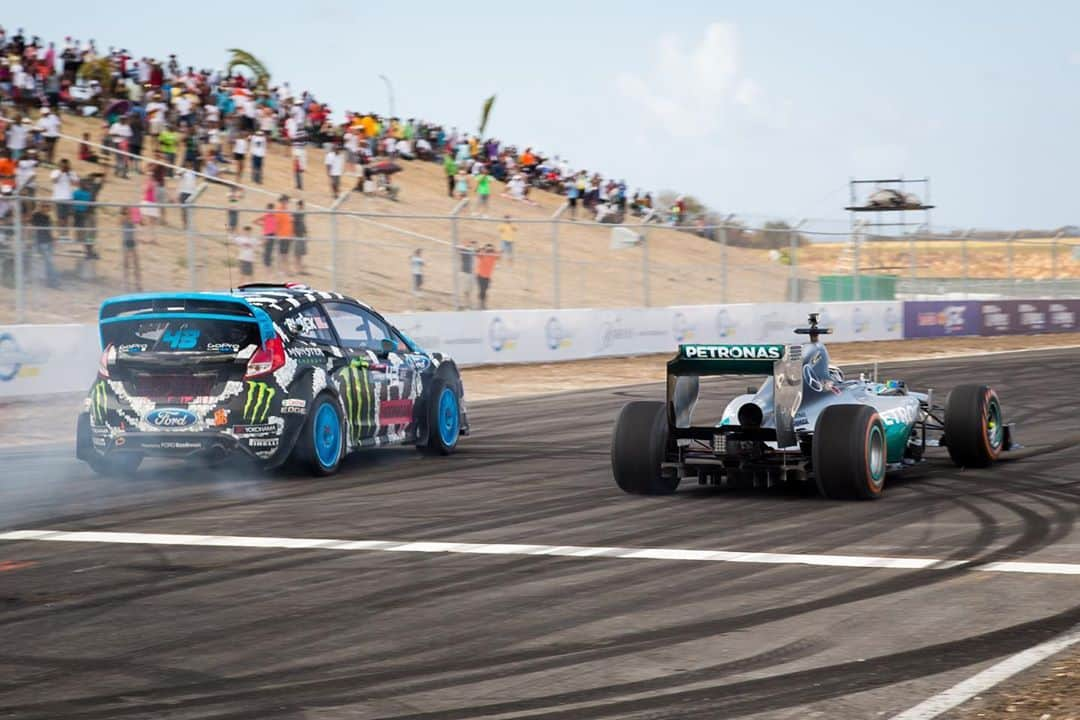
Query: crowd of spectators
point(170, 123)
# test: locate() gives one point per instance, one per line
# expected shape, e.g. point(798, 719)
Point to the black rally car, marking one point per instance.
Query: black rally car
point(276, 372)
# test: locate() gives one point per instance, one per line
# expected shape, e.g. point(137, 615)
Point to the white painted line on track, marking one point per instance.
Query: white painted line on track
point(576, 551)
point(988, 678)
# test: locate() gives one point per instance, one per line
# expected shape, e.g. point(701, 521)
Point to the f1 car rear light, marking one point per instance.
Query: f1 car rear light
point(267, 359)
point(108, 356)
point(719, 444)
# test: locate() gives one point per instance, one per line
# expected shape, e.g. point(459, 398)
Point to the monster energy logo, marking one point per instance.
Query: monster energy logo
point(358, 403)
point(257, 404)
point(99, 403)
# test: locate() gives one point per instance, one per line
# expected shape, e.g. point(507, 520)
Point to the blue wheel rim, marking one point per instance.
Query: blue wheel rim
point(449, 418)
point(327, 440)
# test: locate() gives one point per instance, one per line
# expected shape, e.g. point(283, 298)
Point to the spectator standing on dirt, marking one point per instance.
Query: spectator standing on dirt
point(186, 191)
point(258, 156)
point(49, 124)
point(483, 190)
point(245, 252)
point(335, 168)
point(132, 272)
point(17, 136)
point(571, 197)
point(485, 268)
point(450, 167)
point(467, 271)
point(119, 137)
point(239, 153)
point(43, 241)
point(300, 233)
point(416, 265)
point(461, 183)
point(169, 142)
point(64, 182)
point(283, 229)
point(269, 229)
point(507, 236)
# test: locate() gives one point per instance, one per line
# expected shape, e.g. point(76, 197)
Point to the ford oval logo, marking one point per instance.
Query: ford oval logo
point(171, 418)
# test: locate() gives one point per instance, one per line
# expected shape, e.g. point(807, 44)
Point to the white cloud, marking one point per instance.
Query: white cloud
point(690, 91)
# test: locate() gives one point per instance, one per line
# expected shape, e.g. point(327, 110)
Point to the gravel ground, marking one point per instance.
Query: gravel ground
point(1050, 691)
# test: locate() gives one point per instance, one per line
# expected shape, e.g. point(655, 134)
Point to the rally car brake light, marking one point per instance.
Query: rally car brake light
point(108, 355)
point(267, 359)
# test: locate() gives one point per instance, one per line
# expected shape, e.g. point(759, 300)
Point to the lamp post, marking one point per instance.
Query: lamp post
point(390, 93)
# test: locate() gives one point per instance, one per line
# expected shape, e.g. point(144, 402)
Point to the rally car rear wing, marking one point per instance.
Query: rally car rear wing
point(192, 305)
point(783, 363)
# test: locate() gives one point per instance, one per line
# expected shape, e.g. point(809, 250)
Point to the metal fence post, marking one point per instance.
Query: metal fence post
point(1012, 275)
point(964, 259)
point(189, 230)
point(793, 262)
point(555, 280)
point(645, 268)
point(856, 242)
point(724, 259)
point(20, 281)
point(334, 239)
point(454, 244)
point(1054, 265)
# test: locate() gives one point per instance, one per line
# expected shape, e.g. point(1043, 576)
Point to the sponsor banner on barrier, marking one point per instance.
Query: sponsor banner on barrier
point(47, 359)
point(942, 318)
point(509, 336)
point(1025, 317)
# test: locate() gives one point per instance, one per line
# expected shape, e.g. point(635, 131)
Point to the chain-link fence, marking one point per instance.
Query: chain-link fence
point(58, 260)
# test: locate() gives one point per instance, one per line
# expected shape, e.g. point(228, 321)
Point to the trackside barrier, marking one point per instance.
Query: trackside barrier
point(45, 359)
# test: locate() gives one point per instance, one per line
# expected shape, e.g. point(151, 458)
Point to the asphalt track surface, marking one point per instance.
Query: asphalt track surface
point(101, 630)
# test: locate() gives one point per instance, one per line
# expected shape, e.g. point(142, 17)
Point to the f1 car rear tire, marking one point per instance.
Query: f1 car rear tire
point(443, 418)
point(849, 452)
point(638, 447)
point(321, 445)
point(974, 430)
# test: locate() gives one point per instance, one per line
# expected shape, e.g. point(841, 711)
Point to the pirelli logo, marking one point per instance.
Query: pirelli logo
point(732, 352)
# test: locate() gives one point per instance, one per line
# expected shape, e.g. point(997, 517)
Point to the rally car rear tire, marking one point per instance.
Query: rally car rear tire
point(849, 452)
point(120, 464)
point(638, 447)
point(974, 429)
point(443, 418)
point(321, 445)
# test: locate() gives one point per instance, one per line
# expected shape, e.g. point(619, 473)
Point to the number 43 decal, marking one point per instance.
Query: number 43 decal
point(185, 339)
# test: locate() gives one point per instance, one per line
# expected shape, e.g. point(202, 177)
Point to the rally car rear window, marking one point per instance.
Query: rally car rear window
point(180, 335)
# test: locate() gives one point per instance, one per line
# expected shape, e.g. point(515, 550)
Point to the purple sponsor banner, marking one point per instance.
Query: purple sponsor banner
point(941, 318)
point(1029, 317)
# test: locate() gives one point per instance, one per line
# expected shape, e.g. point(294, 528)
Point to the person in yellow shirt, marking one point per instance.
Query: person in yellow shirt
point(507, 236)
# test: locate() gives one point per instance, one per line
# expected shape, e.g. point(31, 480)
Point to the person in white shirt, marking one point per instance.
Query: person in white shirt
point(245, 252)
point(155, 112)
point(239, 152)
point(120, 136)
point(258, 155)
point(16, 137)
point(186, 190)
point(335, 167)
point(49, 125)
point(64, 182)
point(25, 174)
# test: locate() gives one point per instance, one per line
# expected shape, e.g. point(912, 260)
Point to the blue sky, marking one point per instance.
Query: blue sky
point(759, 108)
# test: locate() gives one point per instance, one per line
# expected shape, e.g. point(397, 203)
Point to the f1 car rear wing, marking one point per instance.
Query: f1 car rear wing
point(195, 305)
point(783, 363)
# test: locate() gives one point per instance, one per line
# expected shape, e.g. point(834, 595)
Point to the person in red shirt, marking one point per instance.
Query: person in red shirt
point(269, 228)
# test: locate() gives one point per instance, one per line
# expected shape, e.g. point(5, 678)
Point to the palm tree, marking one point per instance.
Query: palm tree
point(242, 58)
point(485, 114)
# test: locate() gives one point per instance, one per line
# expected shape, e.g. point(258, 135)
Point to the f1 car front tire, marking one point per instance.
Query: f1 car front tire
point(974, 430)
point(638, 448)
point(849, 452)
